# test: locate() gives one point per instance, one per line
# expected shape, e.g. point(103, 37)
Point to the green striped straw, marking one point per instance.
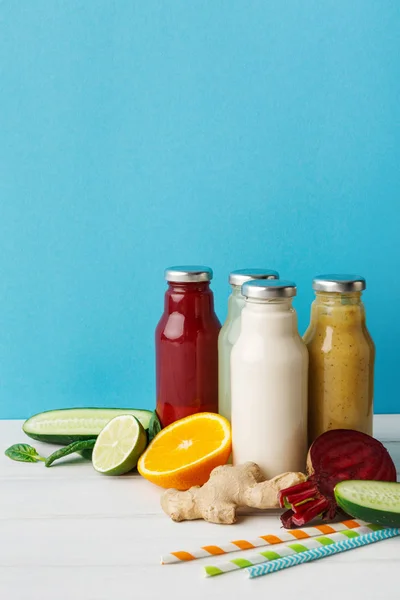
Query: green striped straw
point(288, 549)
point(314, 554)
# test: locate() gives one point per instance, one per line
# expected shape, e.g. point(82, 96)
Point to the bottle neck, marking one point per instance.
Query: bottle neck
point(275, 305)
point(337, 299)
point(345, 310)
point(236, 303)
point(195, 299)
point(274, 317)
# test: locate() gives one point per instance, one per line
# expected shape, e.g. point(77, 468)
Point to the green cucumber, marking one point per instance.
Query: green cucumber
point(67, 425)
point(373, 501)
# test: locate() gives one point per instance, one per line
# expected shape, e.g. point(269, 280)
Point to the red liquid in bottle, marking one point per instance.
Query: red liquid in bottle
point(187, 352)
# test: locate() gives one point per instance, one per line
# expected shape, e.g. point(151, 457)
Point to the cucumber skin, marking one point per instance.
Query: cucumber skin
point(62, 440)
point(65, 439)
point(370, 515)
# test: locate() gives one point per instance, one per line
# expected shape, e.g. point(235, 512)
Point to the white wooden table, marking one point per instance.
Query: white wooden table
point(68, 533)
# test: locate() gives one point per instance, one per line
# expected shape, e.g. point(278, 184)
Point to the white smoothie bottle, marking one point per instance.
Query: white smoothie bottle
point(230, 332)
point(269, 369)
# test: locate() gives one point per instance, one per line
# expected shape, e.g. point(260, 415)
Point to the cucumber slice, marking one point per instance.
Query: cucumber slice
point(373, 501)
point(67, 425)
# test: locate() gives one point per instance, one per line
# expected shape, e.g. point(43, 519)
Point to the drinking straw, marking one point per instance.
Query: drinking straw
point(262, 540)
point(289, 549)
point(321, 552)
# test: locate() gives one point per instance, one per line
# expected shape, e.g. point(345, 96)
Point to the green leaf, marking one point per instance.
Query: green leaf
point(154, 426)
point(23, 453)
point(71, 449)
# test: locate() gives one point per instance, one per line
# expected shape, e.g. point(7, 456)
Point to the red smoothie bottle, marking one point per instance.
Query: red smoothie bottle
point(187, 346)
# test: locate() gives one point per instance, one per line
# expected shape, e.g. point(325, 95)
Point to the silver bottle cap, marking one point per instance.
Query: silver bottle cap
point(267, 289)
point(240, 276)
point(188, 274)
point(339, 283)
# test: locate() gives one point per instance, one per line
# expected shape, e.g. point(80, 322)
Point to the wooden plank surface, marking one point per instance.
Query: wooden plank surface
point(68, 533)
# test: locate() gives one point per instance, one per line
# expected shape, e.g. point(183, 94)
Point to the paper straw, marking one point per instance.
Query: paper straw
point(262, 540)
point(321, 552)
point(288, 549)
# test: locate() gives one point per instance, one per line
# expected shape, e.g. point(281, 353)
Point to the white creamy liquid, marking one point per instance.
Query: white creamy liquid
point(269, 369)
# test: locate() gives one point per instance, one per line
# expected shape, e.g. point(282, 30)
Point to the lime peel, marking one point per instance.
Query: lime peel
point(119, 446)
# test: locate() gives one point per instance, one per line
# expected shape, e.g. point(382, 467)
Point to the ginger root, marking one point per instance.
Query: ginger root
point(228, 488)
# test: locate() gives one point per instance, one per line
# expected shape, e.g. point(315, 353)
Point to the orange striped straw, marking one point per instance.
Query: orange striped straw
point(262, 540)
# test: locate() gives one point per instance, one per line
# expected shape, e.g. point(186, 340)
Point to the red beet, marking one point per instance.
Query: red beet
point(336, 455)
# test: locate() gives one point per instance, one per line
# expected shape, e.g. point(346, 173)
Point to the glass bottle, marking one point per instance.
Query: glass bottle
point(342, 354)
point(187, 346)
point(269, 368)
point(230, 332)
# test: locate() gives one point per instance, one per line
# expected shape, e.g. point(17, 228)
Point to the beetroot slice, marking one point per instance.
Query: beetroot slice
point(337, 455)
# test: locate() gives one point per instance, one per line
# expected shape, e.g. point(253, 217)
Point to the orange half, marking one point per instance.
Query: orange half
point(184, 453)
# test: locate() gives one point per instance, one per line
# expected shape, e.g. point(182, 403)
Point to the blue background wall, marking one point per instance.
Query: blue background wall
point(135, 135)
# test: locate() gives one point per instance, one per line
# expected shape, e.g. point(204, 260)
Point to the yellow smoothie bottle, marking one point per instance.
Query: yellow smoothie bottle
point(341, 355)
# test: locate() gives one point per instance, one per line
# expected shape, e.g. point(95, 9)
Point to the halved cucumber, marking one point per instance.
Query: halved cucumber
point(67, 425)
point(373, 501)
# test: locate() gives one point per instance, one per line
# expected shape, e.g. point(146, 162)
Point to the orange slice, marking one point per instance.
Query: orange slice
point(184, 453)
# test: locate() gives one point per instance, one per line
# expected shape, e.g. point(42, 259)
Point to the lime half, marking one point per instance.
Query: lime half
point(119, 446)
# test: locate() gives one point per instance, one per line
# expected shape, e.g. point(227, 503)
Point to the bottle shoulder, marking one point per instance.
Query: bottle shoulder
point(325, 336)
point(260, 339)
point(264, 353)
point(230, 329)
point(178, 326)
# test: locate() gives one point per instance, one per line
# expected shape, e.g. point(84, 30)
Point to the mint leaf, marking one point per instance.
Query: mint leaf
point(23, 453)
point(71, 449)
point(154, 426)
